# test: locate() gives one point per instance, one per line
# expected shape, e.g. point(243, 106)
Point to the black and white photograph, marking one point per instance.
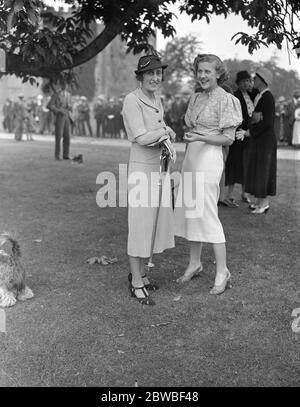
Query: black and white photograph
point(149, 197)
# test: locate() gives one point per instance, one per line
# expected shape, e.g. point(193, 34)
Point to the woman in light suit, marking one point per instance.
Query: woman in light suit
point(145, 127)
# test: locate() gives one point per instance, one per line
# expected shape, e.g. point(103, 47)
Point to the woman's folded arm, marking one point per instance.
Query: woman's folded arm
point(150, 137)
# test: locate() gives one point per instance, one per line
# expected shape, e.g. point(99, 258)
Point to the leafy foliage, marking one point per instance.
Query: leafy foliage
point(179, 54)
point(273, 19)
point(38, 49)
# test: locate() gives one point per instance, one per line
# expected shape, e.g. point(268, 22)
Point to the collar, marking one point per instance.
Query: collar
point(263, 91)
point(143, 98)
point(211, 91)
point(245, 93)
point(259, 95)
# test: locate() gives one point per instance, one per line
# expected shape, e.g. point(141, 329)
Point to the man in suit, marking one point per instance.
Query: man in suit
point(8, 113)
point(99, 113)
point(19, 115)
point(290, 116)
point(60, 105)
point(237, 160)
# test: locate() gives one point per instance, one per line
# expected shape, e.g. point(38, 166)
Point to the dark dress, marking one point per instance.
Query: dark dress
point(261, 176)
point(237, 160)
point(176, 115)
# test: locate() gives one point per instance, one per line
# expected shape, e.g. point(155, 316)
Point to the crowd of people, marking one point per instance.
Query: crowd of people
point(32, 115)
point(287, 120)
point(19, 116)
point(103, 119)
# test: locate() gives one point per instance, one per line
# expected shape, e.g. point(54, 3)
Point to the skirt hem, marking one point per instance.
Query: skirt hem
point(201, 240)
point(154, 252)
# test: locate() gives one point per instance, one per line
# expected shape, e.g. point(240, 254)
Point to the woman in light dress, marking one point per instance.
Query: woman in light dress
point(143, 119)
point(296, 126)
point(212, 118)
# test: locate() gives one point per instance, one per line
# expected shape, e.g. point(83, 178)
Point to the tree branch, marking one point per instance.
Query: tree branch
point(15, 63)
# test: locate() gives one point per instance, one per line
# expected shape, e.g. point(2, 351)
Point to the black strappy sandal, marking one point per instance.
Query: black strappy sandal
point(147, 300)
point(149, 286)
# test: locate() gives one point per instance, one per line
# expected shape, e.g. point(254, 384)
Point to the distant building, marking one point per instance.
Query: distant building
point(114, 72)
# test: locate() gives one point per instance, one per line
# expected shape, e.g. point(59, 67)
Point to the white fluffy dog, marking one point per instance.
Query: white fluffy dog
point(12, 274)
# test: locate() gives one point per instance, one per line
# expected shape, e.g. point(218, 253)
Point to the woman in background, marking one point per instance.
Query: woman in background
point(296, 126)
point(261, 174)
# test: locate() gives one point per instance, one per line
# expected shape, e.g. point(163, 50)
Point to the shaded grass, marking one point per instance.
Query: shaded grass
point(83, 329)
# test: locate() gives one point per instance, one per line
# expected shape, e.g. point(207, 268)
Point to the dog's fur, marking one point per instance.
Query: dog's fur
point(12, 274)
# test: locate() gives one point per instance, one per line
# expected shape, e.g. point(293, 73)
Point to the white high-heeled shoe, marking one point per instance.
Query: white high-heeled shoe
point(219, 289)
point(259, 210)
point(185, 278)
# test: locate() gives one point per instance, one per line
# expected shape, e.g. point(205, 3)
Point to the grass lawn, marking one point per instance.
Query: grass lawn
point(83, 329)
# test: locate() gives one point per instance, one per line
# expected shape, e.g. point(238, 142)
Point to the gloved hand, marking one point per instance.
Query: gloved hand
point(158, 142)
point(170, 149)
point(171, 133)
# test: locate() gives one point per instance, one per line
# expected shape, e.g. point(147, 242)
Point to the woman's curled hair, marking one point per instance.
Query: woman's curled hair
point(219, 66)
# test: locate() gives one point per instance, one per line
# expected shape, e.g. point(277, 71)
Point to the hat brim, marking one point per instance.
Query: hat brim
point(151, 67)
point(265, 81)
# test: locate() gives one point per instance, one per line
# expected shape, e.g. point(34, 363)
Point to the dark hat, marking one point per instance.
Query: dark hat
point(149, 62)
point(241, 75)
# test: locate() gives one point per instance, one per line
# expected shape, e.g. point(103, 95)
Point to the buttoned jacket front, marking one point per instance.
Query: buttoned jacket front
point(141, 115)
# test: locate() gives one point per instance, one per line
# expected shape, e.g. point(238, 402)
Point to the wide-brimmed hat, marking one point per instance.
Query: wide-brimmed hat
point(149, 62)
point(264, 74)
point(241, 75)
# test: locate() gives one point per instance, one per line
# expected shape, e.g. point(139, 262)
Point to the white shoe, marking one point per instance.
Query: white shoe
point(187, 277)
point(219, 289)
point(259, 211)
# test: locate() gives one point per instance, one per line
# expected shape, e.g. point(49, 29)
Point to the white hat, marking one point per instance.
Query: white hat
point(265, 75)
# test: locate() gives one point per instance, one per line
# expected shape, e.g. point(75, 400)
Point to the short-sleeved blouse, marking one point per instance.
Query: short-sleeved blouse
point(212, 113)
